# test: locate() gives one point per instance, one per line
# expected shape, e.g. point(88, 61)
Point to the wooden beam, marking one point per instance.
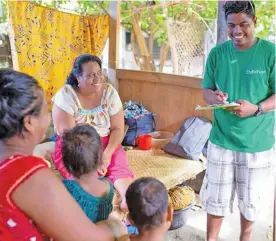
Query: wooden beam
point(114, 38)
point(161, 78)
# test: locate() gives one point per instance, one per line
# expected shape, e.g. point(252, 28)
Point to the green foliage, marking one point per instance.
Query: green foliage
point(205, 10)
point(4, 17)
point(265, 11)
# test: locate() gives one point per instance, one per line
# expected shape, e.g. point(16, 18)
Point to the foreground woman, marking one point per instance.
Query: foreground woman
point(33, 201)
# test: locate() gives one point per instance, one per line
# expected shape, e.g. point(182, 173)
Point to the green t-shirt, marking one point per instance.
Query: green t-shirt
point(243, 74)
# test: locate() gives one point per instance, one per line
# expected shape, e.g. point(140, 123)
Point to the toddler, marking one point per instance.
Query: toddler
point(82, 157)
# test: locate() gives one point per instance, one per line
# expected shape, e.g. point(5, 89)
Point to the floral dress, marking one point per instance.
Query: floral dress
point(100, 118)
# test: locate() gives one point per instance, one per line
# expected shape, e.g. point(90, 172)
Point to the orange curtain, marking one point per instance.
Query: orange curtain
point(47, 41)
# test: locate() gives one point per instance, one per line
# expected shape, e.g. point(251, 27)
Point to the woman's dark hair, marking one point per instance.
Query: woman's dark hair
point(18, 98)
point(77, 68)
point(247, 7)
point(147, 201)
point(81, 150)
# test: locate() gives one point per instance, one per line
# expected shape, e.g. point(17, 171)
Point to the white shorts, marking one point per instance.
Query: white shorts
point(229, 173)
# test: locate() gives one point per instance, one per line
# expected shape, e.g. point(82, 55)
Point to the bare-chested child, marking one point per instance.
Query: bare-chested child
point(149, 210)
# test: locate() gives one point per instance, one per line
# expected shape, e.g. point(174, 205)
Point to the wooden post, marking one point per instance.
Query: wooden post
point(114, 38)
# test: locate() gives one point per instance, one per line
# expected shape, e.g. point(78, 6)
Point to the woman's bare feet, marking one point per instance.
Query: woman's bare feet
point(123, 206)
point(121, 185)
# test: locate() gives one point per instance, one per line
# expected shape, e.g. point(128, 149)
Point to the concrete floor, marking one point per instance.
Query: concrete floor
point(195, 230)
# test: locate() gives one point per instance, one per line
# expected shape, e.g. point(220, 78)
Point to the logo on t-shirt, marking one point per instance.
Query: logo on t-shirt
point(255, 71)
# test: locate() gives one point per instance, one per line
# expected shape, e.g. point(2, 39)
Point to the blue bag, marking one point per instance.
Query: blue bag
point(139, 121)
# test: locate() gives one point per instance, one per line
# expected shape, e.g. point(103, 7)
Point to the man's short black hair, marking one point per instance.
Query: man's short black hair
point(147, 200)
point(81, 150)
point(247, 7)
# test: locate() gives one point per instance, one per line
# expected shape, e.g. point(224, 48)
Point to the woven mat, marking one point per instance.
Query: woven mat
point(171, 170)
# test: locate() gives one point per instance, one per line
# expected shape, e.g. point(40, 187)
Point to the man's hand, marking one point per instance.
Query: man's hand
point(245, 109)
point(220, 98)
point(214, 97)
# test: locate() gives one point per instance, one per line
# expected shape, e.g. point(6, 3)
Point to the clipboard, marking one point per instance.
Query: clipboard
point(214, 107)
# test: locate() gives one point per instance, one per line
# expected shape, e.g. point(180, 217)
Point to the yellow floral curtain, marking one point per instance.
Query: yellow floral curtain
point(47, 41)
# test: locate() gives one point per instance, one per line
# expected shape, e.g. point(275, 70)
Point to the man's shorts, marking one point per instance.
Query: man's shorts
point(229, 173)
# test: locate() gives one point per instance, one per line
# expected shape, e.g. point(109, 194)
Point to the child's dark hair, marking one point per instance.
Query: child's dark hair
point(77, 68)
point(81, 150)
point(147, 201)
point(247, 7)
point(18, 98)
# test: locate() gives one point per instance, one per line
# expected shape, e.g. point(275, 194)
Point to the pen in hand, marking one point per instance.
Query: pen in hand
point(223, 97)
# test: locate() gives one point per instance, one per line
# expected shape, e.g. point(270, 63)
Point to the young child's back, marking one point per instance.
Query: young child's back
point(97, 208)
point(82, 156)
point(149, 210)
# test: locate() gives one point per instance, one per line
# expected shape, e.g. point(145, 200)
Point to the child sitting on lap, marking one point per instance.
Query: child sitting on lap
point(149, 211)
point(82, 157)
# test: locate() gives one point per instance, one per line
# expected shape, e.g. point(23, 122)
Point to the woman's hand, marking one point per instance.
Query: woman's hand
point(106, 160)
point(102, 171)
point(115, 227)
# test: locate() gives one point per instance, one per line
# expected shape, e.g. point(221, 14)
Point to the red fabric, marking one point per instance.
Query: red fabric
point(117, 169)
point(14, 224)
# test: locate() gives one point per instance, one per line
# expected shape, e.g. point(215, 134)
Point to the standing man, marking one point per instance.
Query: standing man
point(241, 148)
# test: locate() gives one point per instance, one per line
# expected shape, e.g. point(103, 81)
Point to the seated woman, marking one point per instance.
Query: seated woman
point(27, 207)
point(86, 98)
